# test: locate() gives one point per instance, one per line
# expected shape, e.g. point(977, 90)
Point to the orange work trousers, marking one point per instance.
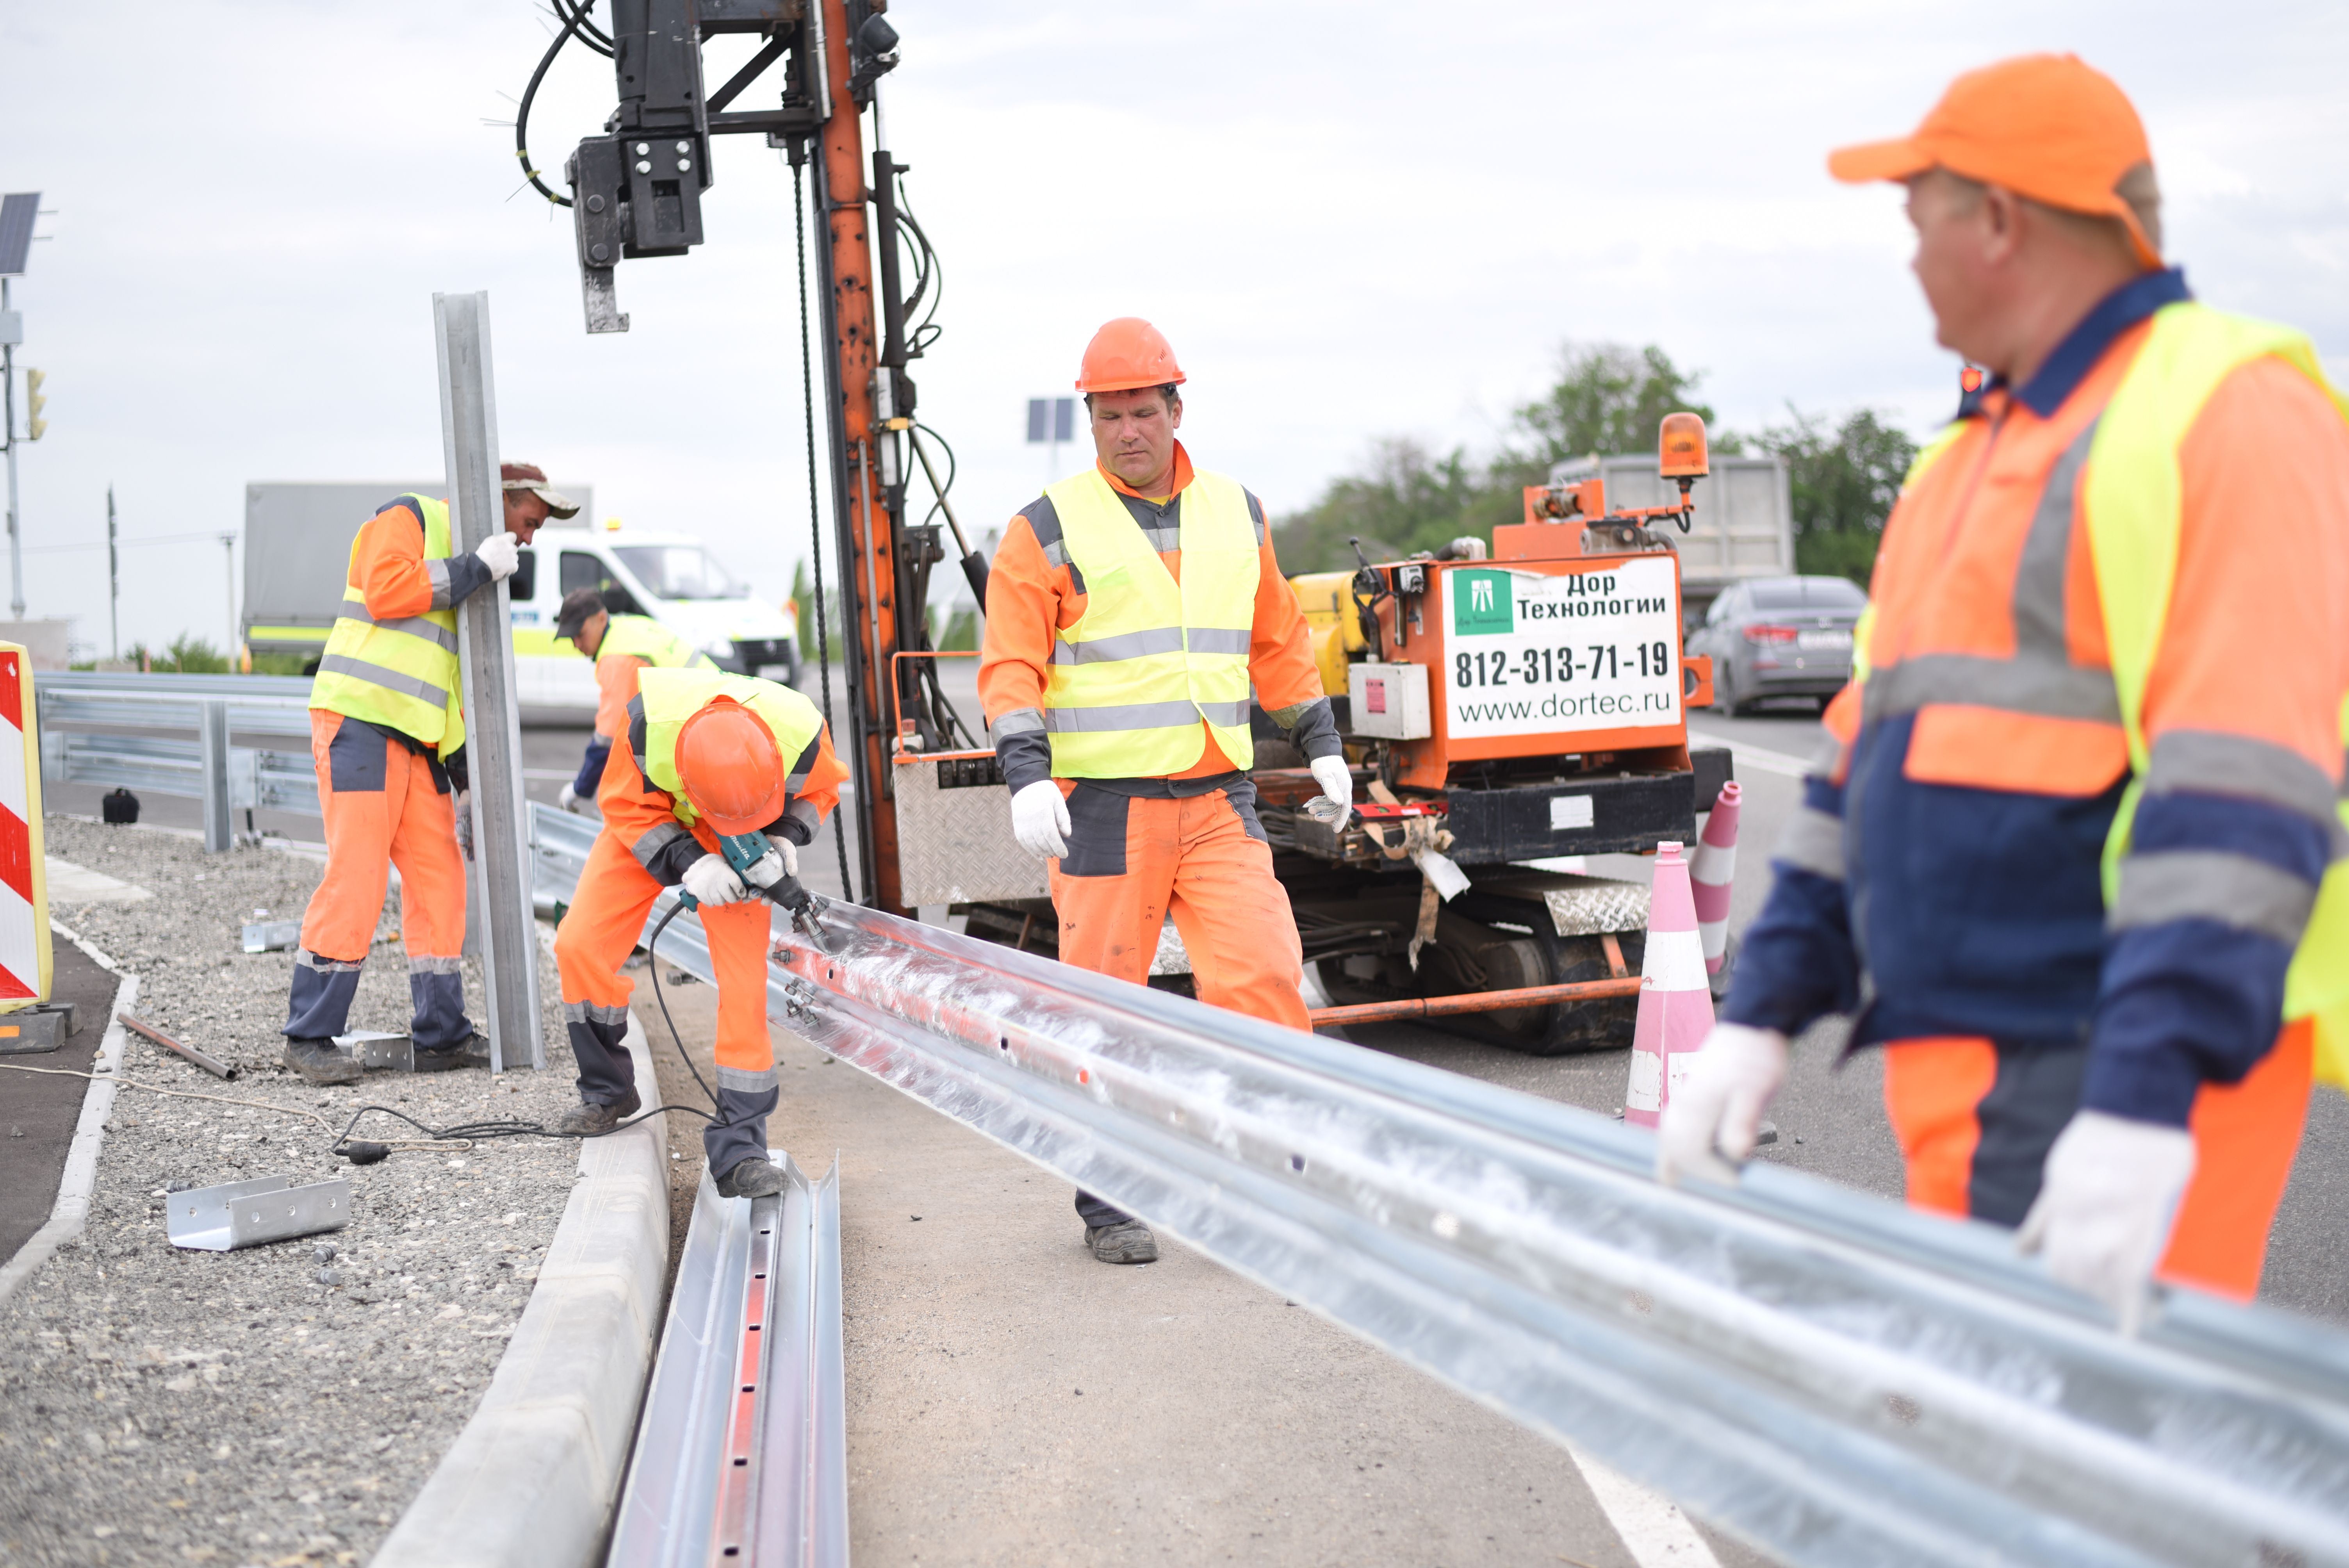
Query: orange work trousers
point(605, 923)
point(1975, 1122)
point(1134, 859)
point(385, 805)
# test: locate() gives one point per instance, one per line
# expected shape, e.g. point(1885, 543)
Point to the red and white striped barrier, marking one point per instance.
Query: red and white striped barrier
point(1710, 874)
point(1675, 1005)
point(24, 885)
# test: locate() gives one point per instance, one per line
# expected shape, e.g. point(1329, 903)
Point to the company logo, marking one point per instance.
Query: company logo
point(1482, 604)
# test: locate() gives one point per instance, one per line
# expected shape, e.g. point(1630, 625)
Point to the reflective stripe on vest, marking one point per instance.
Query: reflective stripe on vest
point(670, 697)
point(401, 671)
point(2134, 517)
point(1150, 659)
point(642, 637)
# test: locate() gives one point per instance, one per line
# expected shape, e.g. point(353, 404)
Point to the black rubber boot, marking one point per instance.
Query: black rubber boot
point(595, 1120)
point(752, 1178)
point(321, 1063)
point(472, 1051)
point(1127, 1241)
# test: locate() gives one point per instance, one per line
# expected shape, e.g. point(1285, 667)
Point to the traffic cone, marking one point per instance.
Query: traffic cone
point(1675, 1007)
point(1710, 874)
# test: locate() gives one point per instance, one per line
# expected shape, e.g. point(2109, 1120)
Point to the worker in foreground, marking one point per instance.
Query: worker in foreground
point(387, 737)
point(705, 753)
point(1129, 609)
point(620, 645)
point(2076, 863)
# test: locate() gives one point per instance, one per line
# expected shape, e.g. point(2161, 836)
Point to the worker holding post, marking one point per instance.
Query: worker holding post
point(620, 645)
point(1130, 610)
point(2076, 860)
point(387, 737)
point(704, 753)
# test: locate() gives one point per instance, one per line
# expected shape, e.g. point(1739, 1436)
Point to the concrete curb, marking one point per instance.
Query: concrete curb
point(532, 1481)
point(71, 1211)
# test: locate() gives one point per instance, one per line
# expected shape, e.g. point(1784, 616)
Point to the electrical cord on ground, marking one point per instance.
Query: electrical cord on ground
point(815, 505)
point(572, 21)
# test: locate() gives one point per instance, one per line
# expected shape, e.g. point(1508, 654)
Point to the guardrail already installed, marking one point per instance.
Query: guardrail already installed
point(83, 716)
point(1822, 1372)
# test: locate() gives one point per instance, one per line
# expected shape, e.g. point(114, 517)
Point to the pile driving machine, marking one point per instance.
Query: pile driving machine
point(1503, 708)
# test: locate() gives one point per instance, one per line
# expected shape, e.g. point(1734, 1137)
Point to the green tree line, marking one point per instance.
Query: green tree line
point(1843, 475)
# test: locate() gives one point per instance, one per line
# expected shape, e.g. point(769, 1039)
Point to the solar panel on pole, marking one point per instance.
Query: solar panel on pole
point(1037, 413)
point(17, 210)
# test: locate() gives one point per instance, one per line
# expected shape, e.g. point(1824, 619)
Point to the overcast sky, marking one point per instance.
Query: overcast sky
point(1353, 220)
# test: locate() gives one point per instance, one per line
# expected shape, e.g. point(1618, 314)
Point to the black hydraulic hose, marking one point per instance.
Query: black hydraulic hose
point(652, 953)
point(815, 505)
point(573, 20)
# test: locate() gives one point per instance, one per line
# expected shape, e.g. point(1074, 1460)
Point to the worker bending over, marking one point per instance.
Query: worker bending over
point(387, 737)
point(620, 645)
point(706, 753)
point(1129, 610)
point(2088, 781)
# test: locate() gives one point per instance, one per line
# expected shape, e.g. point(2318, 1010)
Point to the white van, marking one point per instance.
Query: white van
point(297, 544)
point(671, 577)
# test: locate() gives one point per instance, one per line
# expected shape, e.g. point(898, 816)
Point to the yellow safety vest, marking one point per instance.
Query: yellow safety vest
point(1151, 658)
point(2131, 502)
point(672, 695)
point(642, 637)
point(402, 672)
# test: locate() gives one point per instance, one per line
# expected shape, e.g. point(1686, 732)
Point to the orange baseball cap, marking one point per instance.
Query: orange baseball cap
point(2048, 126)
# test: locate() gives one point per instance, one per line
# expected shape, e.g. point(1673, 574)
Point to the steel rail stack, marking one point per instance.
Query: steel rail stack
point(1831, 1376)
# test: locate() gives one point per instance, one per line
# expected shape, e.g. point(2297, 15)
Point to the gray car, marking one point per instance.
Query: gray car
point(1779, 637)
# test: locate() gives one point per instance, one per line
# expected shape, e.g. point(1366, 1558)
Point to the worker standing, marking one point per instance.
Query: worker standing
point(704, 753)
point(1130, 610)
point(2066, 860)
point(387, 737)
point(620, 645)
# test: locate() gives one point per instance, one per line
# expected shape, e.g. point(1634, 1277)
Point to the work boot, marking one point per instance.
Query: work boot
point(1127, 1241)
point(321, 1063)
point(591, 1121)
point(752, 1178)
point(472, 1051)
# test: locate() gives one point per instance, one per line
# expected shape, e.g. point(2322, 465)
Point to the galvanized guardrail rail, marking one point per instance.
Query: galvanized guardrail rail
point(1832, 1376)
point(83, 715)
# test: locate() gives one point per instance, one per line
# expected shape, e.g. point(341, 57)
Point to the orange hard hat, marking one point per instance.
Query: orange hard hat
point(1126, 353)
point(730, 768)
point(2048, 126)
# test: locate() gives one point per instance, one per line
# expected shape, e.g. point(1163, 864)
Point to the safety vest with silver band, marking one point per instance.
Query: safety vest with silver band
point(2124, 472)
point(1151, 658)
point(399, 672)
point(642, 637)
point(667, 697)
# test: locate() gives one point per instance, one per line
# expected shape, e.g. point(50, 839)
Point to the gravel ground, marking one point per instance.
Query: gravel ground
point(159, 1405)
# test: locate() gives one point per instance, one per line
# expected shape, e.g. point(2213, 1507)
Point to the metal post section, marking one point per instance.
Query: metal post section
point(8, 409)
point(213, 752)
point(469, 440)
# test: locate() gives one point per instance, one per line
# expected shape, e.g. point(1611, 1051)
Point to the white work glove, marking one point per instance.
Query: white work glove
point(1040, 821)
point(2109, 1193)
point(712, 882)
point(1711, 1120)
point(501, 553)
point(568, 799)
point(1335, 802)
point(463, 803)
point(781, 860)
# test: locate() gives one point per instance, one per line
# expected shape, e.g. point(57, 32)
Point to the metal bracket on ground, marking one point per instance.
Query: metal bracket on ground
point(236, 1214)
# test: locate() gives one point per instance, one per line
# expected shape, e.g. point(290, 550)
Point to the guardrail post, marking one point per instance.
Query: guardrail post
point(469, 437)
point(212, 752)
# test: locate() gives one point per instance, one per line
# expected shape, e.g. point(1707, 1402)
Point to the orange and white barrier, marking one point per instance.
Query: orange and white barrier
point(24, 884)
point(1675, 1005)
point(1712, 872)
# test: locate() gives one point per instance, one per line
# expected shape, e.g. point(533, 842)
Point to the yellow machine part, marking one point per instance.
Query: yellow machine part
point(1327, 599)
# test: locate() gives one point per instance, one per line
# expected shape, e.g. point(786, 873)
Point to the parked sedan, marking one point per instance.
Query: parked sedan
point(1779, 636)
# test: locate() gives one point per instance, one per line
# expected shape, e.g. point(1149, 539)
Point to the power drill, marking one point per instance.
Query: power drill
point(760, 866)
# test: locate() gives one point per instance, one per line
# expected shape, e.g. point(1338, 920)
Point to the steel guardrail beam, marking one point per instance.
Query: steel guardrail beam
point(1836, 1379)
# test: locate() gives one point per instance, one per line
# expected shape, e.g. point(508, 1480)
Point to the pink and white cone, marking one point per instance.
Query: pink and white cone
point(1675, 1006)
point(1710, 874)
